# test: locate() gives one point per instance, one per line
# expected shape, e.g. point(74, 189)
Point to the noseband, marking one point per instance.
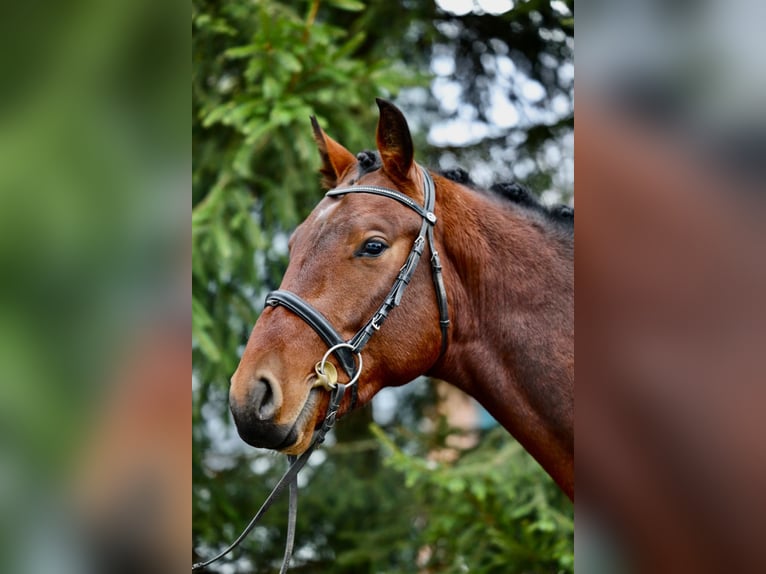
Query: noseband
point(348, 353)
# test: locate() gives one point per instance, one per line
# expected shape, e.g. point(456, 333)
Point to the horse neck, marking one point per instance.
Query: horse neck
point(509, 277)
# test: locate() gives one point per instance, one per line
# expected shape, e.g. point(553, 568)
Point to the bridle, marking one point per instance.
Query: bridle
point(348, 353)
point(345, 351)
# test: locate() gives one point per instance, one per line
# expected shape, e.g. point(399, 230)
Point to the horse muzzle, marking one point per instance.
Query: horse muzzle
point(254, 406)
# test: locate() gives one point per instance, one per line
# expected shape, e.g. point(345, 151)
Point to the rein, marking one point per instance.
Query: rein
point(289, 478)
point(348, 353)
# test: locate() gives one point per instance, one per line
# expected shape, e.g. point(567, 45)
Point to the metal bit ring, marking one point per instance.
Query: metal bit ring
point(331, 350)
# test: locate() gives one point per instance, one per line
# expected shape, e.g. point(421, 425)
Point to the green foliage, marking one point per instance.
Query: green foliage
point(492, 510)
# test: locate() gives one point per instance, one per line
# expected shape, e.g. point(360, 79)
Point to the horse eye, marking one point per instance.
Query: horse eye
point(372, 248)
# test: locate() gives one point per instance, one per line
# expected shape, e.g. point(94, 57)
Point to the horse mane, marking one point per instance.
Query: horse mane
point(512, 192)
point(516, 194)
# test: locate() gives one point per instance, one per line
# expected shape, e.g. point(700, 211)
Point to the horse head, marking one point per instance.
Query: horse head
point(344, 259)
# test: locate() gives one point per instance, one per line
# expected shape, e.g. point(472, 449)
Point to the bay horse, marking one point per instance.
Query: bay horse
point(494, 314)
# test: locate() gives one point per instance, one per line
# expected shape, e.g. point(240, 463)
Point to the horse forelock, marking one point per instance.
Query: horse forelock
point(369, 161)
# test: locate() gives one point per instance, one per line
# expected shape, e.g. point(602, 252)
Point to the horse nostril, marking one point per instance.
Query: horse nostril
point(262, 399)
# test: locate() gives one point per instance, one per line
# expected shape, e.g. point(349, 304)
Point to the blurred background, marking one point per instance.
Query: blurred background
point(670, 275)
point(422, 480)
point(94, 289)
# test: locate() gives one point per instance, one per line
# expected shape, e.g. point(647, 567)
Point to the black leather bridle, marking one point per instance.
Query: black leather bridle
point(348, 353)
point(344, 351)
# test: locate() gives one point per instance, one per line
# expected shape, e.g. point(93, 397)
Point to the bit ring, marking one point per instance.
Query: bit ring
point(332, 349)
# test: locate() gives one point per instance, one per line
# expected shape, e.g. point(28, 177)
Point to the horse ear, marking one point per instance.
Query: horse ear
point(394, 141)
point(335, 158)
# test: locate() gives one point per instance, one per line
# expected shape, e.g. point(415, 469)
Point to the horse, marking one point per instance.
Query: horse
point(494, 315)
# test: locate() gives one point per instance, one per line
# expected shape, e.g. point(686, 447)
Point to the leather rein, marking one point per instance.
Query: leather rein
point(348, 353)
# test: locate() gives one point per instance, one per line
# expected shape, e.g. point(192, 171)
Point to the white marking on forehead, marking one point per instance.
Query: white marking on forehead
point(322, 214)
